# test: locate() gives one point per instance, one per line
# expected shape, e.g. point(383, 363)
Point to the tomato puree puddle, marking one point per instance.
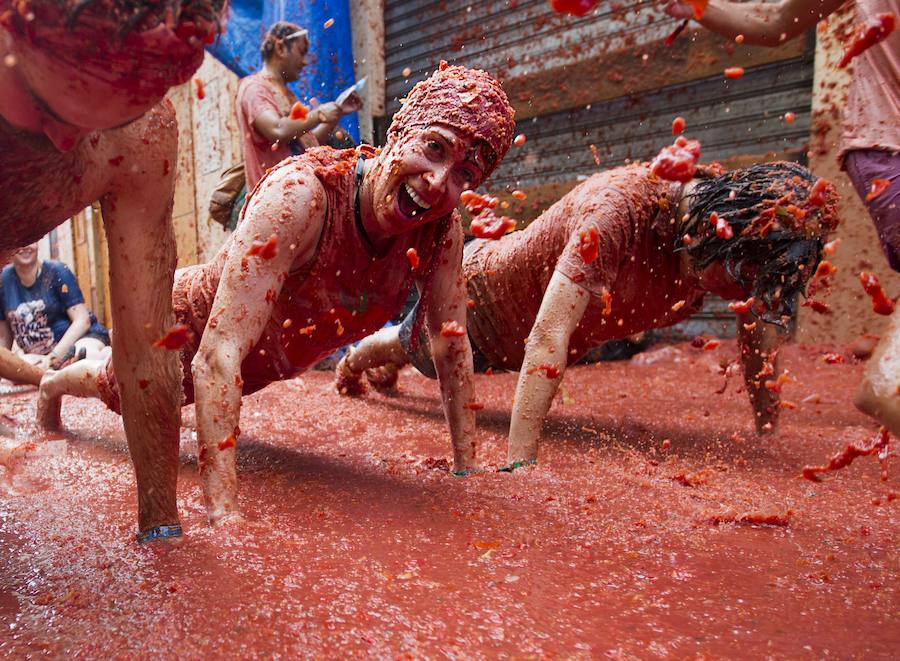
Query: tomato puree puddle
point(359, 541)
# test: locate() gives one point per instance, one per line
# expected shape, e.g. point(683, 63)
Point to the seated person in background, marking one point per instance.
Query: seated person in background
point(622, 253)
point(269, 132)
point(44, 312)
point(318, 260)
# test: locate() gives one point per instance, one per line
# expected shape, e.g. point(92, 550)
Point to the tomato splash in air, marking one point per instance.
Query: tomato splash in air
point(573, 7)
point(846, 456)
point(881, 304)
point(299, 111)
point(677, 162)
point(589, 245)
point(266, 250)
point(176, 338)
point(869, 34)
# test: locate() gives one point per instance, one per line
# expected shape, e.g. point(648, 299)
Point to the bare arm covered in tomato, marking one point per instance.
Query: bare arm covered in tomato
point(545, 362)
point(760, 23)
point(758, 343)
point(450, 348)
point(242, 307)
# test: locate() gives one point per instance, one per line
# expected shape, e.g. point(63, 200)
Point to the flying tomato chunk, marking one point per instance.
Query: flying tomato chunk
point(573, 7)
point(475, 203)
point(299, 111)
point(678, 126)
point(741, 307)
point(817, 193)
point(867, 35)
point(413, 258)
point(734, 72)
point(176, 338)
point(881, 304)
point(488, 225)
point(589, 245)
point(877, 187)
point(677, 162)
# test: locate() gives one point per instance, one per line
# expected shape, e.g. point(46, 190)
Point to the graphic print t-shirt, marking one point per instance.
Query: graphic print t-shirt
point(37, 314)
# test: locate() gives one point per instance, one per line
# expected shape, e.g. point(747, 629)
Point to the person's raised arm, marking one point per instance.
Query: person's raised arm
point(275, 128)
point(546, 357)
point(761, 23)
point(80, 320)
point(451, 350)
point(758, 343)
point(247, 291)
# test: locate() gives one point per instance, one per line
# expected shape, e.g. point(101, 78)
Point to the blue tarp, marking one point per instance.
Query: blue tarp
point(330, 64)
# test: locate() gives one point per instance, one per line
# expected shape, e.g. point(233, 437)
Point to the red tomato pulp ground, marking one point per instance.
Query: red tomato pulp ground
point(359, 543)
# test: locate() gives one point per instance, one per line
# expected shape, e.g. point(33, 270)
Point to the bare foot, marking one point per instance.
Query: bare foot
point(226, 520)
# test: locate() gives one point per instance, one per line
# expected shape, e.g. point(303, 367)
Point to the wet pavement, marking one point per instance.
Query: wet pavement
point(360, 543)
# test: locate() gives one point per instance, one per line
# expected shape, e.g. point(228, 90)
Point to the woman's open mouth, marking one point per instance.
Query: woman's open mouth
point(409, 202)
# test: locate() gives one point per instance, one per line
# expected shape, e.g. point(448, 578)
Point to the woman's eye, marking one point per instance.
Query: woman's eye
point(434, 146)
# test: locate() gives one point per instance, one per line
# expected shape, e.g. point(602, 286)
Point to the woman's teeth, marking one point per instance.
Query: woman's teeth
point(415, 198)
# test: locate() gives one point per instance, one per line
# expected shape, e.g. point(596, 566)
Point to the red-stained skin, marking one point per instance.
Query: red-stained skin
point(264, 250)
point(360, 543)
point(677, 162)
point(299, 111)
point(875, 30)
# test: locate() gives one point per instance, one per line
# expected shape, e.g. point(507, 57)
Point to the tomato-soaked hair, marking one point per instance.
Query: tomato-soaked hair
point(139, 15)
point(780, 215)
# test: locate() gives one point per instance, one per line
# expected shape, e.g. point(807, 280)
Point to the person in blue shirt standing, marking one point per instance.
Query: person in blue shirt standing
point(44, 312)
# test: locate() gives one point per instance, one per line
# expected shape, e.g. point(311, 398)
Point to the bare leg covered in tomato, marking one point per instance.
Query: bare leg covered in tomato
point(879, 392)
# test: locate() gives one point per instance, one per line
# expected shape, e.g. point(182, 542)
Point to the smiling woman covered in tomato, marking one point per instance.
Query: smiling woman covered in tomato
point(319, 260)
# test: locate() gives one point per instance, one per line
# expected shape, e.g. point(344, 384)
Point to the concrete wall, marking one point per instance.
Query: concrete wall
point(859, 249)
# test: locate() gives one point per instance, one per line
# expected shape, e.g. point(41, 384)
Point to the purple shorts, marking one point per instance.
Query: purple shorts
point(864, 165)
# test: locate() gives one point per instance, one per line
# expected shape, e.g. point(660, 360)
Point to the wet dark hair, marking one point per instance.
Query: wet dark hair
point(143, 14)
point(277, 33)
point(778, 232)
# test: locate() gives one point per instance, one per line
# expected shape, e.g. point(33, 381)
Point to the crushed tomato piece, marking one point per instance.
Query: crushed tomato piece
point(227, 443)
point(201, 91)
point(589, 245)
point(413, 258)
point(881, 304)
point(734, 72)
point(573, 7)
point(452, 329)
point(299, 111)
point(677, 162)
point(266, 250)
point(877, 187)
point(846, 456)
point(488, 225)
point(678, 126)
point(177, 337)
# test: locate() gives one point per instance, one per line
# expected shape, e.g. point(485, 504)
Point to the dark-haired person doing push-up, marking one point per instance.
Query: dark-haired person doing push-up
point(622, 253)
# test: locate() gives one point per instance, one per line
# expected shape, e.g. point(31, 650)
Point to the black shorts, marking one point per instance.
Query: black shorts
point(421, 358)
point(103, 336)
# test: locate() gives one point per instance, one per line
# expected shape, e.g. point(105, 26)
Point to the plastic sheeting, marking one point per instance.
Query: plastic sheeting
point(329, 69)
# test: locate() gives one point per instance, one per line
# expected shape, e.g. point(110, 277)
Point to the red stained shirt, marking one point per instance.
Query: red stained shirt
point(632, 212)
point(256, 94)
point(343, 294)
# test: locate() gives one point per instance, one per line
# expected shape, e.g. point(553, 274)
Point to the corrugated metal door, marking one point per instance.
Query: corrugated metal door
point(606, 80)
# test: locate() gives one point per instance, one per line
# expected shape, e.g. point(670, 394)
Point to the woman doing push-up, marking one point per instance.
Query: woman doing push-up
point(622, 253)
point(319, 259)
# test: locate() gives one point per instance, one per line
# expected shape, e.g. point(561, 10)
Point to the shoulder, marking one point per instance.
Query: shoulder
point(288, 193)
